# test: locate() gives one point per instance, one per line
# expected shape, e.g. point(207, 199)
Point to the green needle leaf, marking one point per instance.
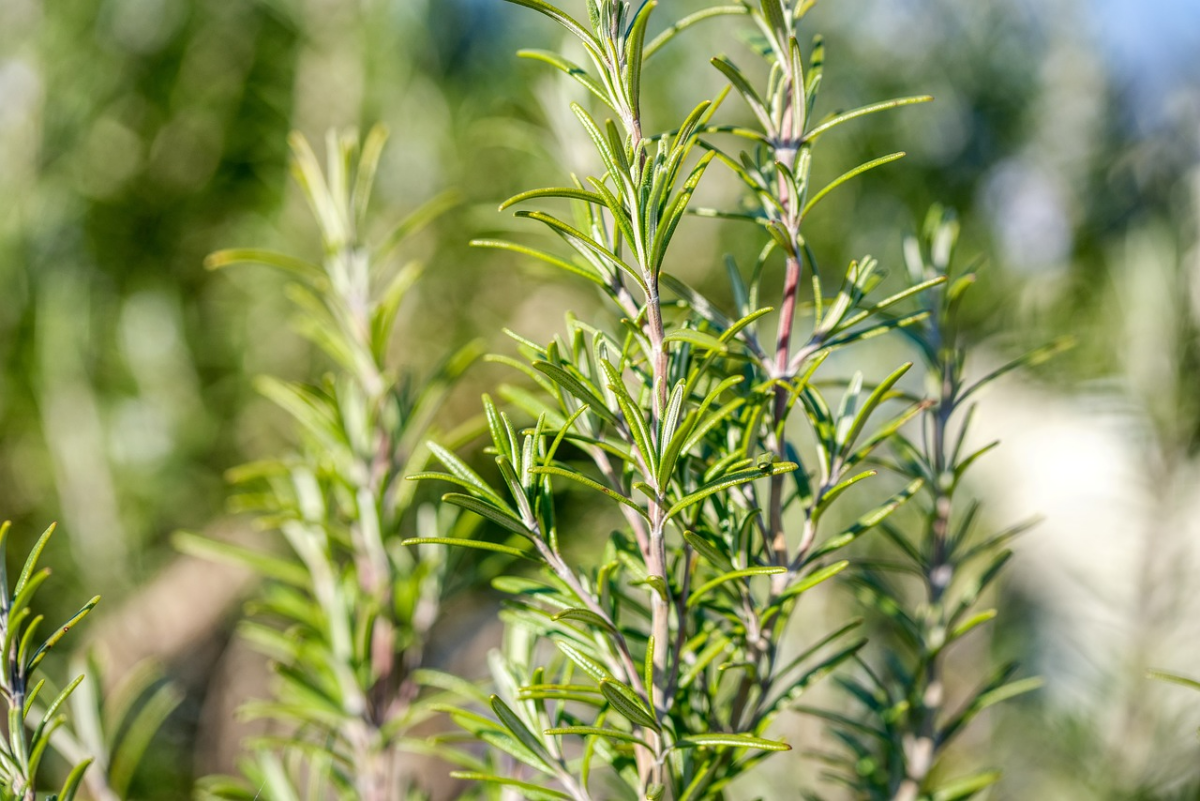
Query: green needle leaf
point(461, 543)
point(626, 701)
point(596, 731)
point(862, 112)
point(518, 729)
point(730, 741)
point(535, 792)
point(747, 572)
point(846, 176)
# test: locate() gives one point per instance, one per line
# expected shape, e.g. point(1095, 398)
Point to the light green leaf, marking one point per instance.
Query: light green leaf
point(966, 787)
point(746, 572)
point(863, 111)
point(481, 545)
point(596, 731)
point(814, 578)
point(32, 559)
point(731, 741)
point(422, 216)
point(534, 792)
point(465, 474)
point(865, 523)
point(280, 261)
point(554, 192)
point(846, 176)
point(586, 663)
point(266, 564)
point(727, 481)
point(743, 87)
point(706, 549)
point(686, 22)
point(696, 338)
point(74, 779)
point(584, 616)
point(59, 633)
point(560, 17)
point(973, 621)
point(576, 388)
point(583, 272)
point(570, 68)
point(1174, 678)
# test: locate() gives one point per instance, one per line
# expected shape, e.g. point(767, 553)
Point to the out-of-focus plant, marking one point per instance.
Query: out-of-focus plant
point(347, 614)
point(30, 726)
point(115, 729)
point(668, 666)
point(909, 721)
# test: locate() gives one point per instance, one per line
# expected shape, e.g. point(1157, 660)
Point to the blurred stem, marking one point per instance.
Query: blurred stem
point(385, 695)
point(921, 745)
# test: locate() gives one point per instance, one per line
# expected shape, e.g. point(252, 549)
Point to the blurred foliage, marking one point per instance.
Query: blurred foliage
point(347, 619)
point(136, 136)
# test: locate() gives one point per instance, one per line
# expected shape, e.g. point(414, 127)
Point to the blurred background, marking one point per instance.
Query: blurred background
point(136, 136)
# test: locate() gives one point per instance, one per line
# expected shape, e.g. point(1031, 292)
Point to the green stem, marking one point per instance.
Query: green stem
point(921, 746)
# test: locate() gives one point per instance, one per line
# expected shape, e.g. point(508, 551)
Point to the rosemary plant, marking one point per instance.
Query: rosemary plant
point(723, 456)
point(30, 725)
point(347, 614)
point(895, 750)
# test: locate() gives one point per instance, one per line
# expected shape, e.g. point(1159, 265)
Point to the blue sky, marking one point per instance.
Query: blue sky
point(1155, 45)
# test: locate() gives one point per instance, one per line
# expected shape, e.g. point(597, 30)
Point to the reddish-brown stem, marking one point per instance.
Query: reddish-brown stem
point(656, 564)
point(783, 345)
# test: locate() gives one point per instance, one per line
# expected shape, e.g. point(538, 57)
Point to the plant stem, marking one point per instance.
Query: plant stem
point(783, 344)
point(656, 565)
point(656, 558)
point(921, 749)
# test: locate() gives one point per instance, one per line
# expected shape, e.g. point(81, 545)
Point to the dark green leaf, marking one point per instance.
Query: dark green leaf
point(627, 702)
point(503, 517)
point(596, 731)
point(518, 729)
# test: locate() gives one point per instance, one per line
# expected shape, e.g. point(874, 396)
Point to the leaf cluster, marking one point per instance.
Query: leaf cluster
point(30, 725)
point(667, 664)
point(926, 593)
point(347, 607)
